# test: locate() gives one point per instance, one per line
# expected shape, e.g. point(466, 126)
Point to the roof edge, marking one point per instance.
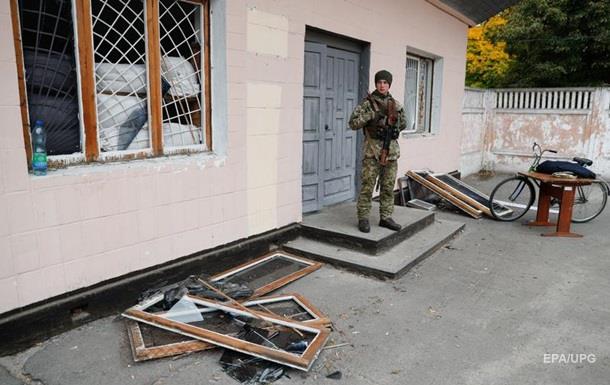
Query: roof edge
point(451, 11)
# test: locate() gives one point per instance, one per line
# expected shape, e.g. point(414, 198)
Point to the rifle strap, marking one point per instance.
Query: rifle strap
point(392, 116)
point(373, 103)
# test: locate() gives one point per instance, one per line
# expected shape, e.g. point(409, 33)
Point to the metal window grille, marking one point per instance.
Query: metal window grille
point(418, 93)
point(411, 87)
point(47, 34)
point(181, 36)
point(119, 43)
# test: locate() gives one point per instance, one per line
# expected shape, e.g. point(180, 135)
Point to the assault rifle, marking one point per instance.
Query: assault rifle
point(389, 121)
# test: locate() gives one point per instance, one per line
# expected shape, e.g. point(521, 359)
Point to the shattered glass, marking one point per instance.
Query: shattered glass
point(263, 273)
point(250, 370)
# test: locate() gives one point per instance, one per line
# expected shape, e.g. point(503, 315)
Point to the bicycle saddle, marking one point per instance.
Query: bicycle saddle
point(582, 161)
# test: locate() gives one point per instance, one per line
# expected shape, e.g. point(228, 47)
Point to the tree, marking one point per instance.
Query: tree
point(557, 43)
point(486, 61)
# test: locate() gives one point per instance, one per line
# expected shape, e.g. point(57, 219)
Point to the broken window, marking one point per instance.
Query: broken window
point(149, 342)
point(268, 272)
point(139, 83)
point(181, 72)
point(258, 334)
point(418, 93)
point(466, 193)
point(119, 45)
point(47, 35)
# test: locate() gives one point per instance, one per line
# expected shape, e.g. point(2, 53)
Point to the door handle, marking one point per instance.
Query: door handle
point(326, 127)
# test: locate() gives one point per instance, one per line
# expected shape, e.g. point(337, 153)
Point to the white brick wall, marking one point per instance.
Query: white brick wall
point(86, 224)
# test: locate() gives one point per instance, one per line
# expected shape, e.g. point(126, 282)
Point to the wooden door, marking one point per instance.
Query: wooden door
point(329, 146)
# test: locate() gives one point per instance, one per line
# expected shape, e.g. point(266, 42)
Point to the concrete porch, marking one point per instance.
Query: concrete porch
point(331, 235)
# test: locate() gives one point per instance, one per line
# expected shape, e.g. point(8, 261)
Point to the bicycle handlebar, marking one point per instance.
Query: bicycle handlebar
point(538, 152)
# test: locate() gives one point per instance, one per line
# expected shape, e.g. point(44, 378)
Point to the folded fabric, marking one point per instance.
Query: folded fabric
point(553, 166)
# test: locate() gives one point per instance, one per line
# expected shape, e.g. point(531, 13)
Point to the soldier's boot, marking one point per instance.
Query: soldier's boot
point(364, 225)
point(389, 223)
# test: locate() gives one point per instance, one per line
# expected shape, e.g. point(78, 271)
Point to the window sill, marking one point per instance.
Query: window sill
point(417, 135)
point(125, 168)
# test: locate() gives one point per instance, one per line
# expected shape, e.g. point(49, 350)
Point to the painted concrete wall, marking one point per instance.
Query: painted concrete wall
point(86, 224)
point(500, 139)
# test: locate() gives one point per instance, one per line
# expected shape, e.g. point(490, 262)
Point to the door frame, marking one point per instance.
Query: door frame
point(363, 49)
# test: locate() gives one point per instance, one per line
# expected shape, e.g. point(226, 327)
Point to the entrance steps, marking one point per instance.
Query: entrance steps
point(332, 236)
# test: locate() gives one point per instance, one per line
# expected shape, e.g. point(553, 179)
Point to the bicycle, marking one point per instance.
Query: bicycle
point(513, 197)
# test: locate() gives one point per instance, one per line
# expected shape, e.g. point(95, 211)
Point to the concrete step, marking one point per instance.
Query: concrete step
point(390, 263)
point(339, 225)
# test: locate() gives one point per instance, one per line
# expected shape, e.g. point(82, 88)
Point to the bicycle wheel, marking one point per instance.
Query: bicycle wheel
point(511, 198)
point(589, 201)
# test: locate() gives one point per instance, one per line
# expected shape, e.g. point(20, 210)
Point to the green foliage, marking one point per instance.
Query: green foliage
point(556, 43)
point(486, 62)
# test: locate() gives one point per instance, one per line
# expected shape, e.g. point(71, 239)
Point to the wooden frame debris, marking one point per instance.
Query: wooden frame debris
point(461, 190)
point(468, 209)
point(310, 267)
point(422, 205)
point(298, 361)
point(141, 352)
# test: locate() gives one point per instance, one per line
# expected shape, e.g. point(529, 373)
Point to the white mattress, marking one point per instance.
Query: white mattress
point(174, 135)
point(113, 78)
point(113, 113)
point(181, 75)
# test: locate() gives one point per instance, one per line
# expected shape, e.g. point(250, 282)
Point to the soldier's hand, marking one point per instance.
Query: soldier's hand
point(379, 119)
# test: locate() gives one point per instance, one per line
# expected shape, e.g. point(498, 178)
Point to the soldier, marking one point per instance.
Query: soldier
point(378, 113)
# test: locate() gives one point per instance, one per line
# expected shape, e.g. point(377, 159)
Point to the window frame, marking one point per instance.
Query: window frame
point(428, 90)
point(85, 72)
point(141, 352)
point(434, 91)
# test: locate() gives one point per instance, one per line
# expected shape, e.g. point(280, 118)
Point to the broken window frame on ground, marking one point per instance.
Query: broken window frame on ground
point(86, 84)
point(301, 362)
point(312, 266)
point(436, 179)
point(465, 207)
point(141, 352)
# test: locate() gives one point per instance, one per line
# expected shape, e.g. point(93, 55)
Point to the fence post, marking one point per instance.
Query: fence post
point(489, 105)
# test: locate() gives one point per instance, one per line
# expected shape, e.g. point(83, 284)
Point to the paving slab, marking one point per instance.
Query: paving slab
point(390, 263)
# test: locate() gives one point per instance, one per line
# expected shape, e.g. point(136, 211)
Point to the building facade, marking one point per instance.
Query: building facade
point(198, 124)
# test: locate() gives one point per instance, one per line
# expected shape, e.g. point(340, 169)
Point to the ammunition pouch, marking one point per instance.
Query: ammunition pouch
point(375, 132)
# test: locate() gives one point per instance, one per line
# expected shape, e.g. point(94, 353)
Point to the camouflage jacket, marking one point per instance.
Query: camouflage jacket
point(364, 114)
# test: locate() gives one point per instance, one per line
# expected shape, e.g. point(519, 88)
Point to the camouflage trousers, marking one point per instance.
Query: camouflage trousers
point(370, 171)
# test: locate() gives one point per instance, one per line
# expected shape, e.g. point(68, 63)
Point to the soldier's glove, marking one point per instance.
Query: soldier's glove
point(395, 133)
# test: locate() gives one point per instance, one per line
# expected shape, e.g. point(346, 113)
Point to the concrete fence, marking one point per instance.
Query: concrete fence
point(500, 126)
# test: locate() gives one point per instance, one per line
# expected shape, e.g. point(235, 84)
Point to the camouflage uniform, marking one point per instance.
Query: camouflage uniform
point(363, 117)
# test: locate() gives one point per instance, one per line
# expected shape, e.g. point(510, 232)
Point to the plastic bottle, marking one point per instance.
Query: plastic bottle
point(39, 144)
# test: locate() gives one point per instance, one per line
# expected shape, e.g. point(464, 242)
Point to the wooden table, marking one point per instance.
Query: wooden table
point(562, 189)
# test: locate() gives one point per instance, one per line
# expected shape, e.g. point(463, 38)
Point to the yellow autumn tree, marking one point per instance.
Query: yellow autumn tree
point(486, 62)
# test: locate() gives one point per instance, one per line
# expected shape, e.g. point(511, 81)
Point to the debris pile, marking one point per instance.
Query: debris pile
point(262, 334)
point(452, 190)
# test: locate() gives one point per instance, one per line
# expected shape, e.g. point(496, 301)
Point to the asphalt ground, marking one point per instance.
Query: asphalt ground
point(499, 305)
